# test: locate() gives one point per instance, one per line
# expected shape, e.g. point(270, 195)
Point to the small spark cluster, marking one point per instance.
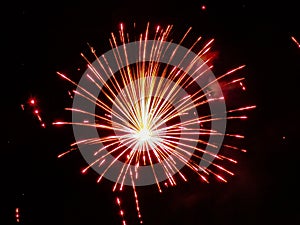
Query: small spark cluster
point(34, 108)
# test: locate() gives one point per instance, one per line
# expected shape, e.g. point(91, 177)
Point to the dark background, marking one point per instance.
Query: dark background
point(39, 39)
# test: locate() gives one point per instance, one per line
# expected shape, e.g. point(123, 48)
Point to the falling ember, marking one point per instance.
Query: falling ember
point(35, 110)
point(242, 85)
point(121, 212)
point(154, 113)
point(203, 7)
point(70, 94)
point(295, 41)
point(17, 215)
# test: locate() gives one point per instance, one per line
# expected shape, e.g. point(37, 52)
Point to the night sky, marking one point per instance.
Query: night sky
point(43, 38)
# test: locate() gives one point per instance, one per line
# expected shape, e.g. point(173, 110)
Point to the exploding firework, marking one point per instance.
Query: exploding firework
point(149, 108)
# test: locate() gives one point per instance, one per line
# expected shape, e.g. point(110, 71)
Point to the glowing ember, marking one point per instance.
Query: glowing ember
point(17, 215)
point(32, 104)
point(295, 41)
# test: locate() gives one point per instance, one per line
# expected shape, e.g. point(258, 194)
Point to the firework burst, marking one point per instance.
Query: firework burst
point(149, 108)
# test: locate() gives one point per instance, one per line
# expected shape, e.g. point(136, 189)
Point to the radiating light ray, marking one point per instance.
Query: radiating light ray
point(140, 116)
point(234, 81)
point(242, 108)
point(64, 153)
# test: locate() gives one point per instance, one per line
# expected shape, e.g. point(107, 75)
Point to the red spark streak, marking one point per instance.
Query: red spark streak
point(36, 112)
point(121, 210)
point(295, 41)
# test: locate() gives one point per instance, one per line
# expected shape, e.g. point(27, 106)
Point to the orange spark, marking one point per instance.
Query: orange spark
point(295, 41)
